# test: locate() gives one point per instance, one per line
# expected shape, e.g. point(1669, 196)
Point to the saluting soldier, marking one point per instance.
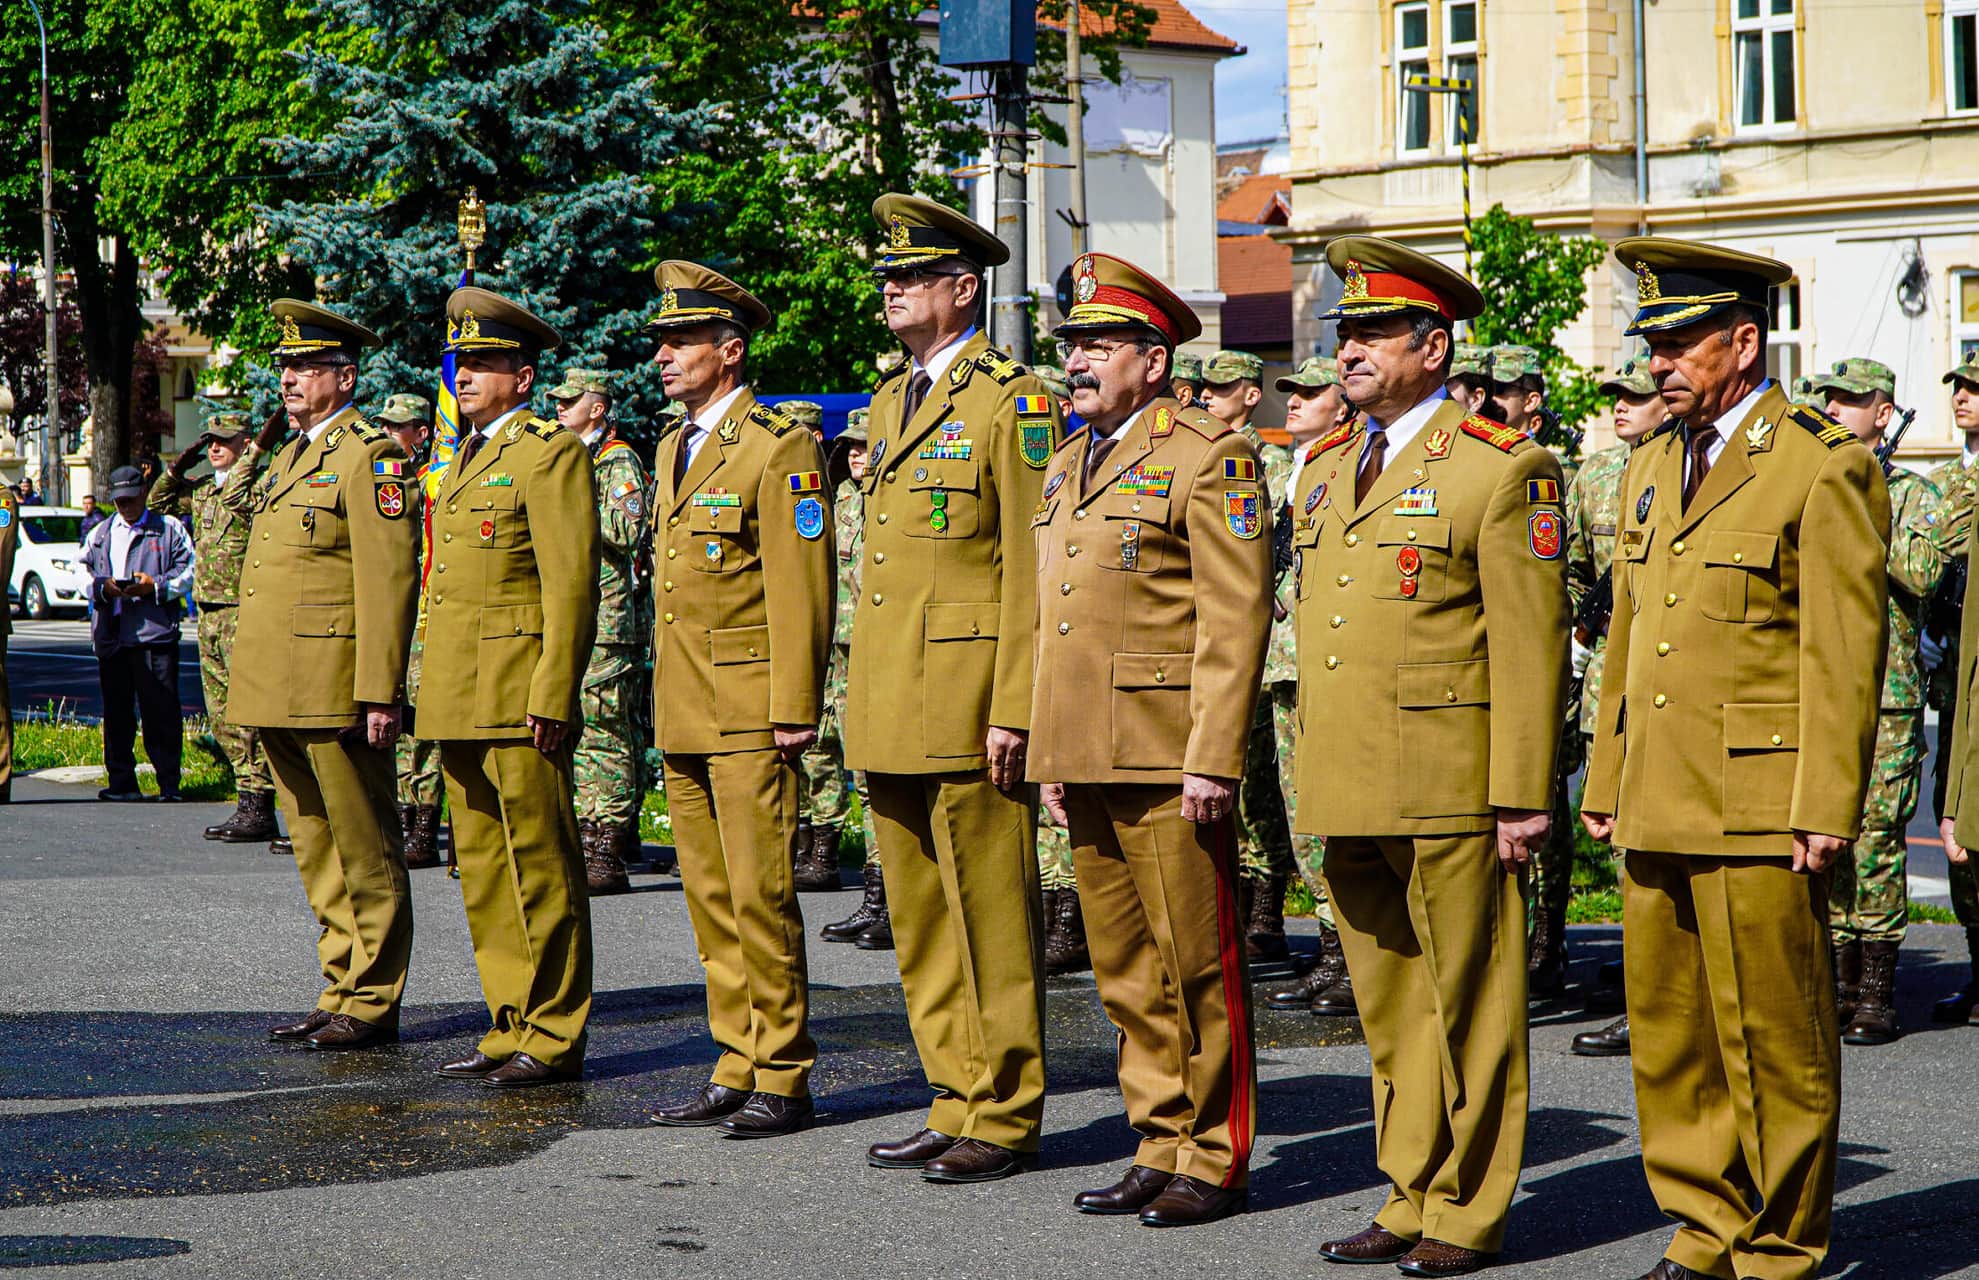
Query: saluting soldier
point(746, 593)
point(1154, 565)
point(1738, 721)
point(938, 703)
point(1956, 477)
point(10, 537)
point(1433, 639)
point(409, 418)
point(608, 765)
point(219, 539)
point(327, 599)
point(511, 613)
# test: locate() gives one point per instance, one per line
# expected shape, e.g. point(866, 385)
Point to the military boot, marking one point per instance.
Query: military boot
point(1958, 1006)
point(1065, 935)
point(1336, 1001)
point(1875, 1020)
point(871, 910)
point(1546, 960)
point(817, 860)
point(877, 936)
point(422, 836)
point(603, 872)
point(1264, 924)
point(252, 821)
point(1332, 966)
point(1848, 980)
point(282, 847)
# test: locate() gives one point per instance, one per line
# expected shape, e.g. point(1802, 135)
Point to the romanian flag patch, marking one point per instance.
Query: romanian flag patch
point(1034, 406)
point(806, 481)
point(1544, 489)
point(1239, 469)
point(388, 469)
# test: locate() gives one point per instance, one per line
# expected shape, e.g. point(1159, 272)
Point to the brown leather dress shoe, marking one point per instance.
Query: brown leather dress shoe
point(713, 1104)
point(301, 1027)
point(1190, 1202)
point(1435, 1258)
point(472, 1067)
point(1376, 1244)
point(1668, 1270)
point(524, 1072)
point(769, 1115)
point(909, 1153)
point(1131, 1194)
point(343, 1032)
point(973, 1160)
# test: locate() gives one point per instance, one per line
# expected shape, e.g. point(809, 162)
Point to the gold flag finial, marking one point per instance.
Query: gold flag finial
point(472, 222)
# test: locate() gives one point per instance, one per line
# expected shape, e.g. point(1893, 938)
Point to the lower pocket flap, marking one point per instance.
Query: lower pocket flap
point(325, 620)
point(511, 620)
point(1443, 684)
point(734, 645)
point(1762, 726)
point(1152, 670)
point(962, 621)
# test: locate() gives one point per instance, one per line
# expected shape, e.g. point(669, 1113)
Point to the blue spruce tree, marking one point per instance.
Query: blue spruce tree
point(517, 99)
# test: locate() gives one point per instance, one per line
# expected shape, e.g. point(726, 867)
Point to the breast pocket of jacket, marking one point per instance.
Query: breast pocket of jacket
point(944, 497)
point(1041, 530)
point(1762, 752)
point(739, 657)
point(1741, 576)
point(716, 545)
point(1133, 535)
point(495, 523)
point(1415, 558)
point(1443, 713)
point(510, 645)
point(1627, 566)
point(1151, 709)
point(1305, 546)
point(313, 517)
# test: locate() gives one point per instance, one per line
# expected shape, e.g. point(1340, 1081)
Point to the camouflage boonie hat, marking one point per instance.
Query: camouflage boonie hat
point(1188, 368)
point(1509, 364)
point(227, 426)
point(405, 408)
point(577, 382)
point(1054, 380)
point(1468, 358)
point(855, 426)
point(1229, 366)
point(673, 411)
point(1313, 374)
point(1967, 371)
point(1802, 393)
point(1631, 378)
point(805, 413)
point(1856, 376)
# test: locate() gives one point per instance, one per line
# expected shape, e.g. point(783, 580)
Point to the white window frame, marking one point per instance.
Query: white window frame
point(1965, 333)
point(1786, 343)
point(1955, 10)
point(1412, 61)
point(1766, 27)
point(1454, 49)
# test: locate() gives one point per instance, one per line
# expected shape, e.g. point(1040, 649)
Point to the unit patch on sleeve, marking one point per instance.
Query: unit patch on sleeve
point(1243, 512)
point(1545, 534)
point(391, 499)
point(810, 514)
point(1034, 441)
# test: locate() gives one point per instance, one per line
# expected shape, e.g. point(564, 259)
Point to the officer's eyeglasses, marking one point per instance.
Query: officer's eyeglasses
point(923, 278)
point(1096, 350)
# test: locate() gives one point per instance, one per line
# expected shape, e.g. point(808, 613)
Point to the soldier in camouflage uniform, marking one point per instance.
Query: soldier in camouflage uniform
point(824, 790)
point(1187, 381)
point(608, 763)
point(409, 418)
point(1802, 393)
point(219, 547)
point(1957, 479)
point(1468, 383)
point(1868, 906)
point(1593, 514)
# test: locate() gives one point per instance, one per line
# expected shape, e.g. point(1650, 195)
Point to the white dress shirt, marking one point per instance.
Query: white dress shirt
point(1404, 428)
point(1729, 421)
point(699, 425)
point(939, 362)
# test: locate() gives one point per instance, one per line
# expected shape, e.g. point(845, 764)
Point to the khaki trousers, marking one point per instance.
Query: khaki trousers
point(1159, 896)
point(735, 829)
point(345, 829)
point(1737, 1064)
point(528, 907)
point(1434, 932)
point(6, 725)
point(961, 868)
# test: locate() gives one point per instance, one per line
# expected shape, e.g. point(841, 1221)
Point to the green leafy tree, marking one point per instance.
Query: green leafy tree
point(1534, 285)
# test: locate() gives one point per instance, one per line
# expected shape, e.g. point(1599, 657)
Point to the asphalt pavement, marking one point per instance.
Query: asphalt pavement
point(51, 661)
point(147, 1128)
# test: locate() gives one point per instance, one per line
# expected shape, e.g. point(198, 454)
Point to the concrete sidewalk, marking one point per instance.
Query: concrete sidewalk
point(148, 1129)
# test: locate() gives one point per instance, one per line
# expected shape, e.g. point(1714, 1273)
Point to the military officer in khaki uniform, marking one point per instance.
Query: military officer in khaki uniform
point(1737, 719)
point(511, 613)
point(938, 699)
point(1427, 543)
point(1154, 589)
point(326, 606)
point(10, 539)
point(747, 586)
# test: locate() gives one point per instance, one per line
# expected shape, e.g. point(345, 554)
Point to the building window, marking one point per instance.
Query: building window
point(1786, 356)
point(1962, 55)
point(1411, 61)
point(1460, 63)
point(1965, 322)
point(1762, 61)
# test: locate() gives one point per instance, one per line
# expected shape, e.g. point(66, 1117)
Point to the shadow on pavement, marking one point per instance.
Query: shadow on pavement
point(1919, 1235)
point(75, 1251)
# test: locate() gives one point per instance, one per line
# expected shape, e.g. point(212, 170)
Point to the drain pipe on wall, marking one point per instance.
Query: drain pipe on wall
point(1641, 127)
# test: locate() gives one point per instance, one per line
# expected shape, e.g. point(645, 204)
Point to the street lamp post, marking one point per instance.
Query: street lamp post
point(51, 415)
point(1459, 85)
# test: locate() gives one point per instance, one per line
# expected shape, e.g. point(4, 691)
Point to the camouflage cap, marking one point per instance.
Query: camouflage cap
point(1313, 374)
point(405, 408)
point(577, 382)
point(673, 409)
point(805, 413)
point(1631, 379)
point(1188, 368)
point(1967, 371)
point(1509, 364)
point(1229, 366)
point(1468, 358)
point(1856, 376)
point(227, 426)
point(855, 425)
point(1054, 381)
point(1802, 393)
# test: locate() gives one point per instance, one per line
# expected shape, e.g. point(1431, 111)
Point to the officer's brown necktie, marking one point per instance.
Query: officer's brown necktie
point(1700, 461)
point(680, 455)
point(468, 451)
point(917, 391)
point(1095, 455)
point(1377, 455)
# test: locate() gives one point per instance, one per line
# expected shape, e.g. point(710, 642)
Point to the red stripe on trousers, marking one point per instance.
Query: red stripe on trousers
point(1235, 999)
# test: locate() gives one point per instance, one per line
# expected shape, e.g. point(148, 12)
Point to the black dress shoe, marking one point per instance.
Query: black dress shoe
point(301, 1027)
point(524, 1072)
point(769, 1115)
point(171, 797)
point(472, 1067)
point(911, 1153)
point(343, 1032)
point(1374, 1245)
point(281, 847)
point(1668, 1270)
point(1436, 1258)
point(1131, 1194)
point(1611, 1041)
point(120, 797)
point(1189, 1202)
point(713, 1104)
point(973, 1160)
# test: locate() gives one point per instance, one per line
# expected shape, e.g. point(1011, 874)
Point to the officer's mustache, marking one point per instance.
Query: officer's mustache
point(1083, 382)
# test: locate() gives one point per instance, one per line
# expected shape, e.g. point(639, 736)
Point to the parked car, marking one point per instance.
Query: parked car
point(48, 573)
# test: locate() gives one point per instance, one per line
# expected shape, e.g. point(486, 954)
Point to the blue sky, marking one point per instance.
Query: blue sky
point(1248, 102)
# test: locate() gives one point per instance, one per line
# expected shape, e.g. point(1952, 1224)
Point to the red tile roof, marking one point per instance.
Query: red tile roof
point(1262, 198)
point(1173, 27)
point(1255, 274)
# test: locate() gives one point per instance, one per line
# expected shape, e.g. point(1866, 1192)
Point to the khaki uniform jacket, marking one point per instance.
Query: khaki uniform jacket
point(1745, 658)
point(10, 541)
point(941, 637)
point(512, 594)
point(330, 584)
point(746, 560)
point(1154, 604)
point(1432, 630)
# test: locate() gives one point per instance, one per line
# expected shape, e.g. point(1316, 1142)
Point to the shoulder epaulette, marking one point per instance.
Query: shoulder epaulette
point(368, 433)
point(999, 366)
point(1204, 425)
point(1341, 434)
point(1824, 428)
point(543, 430)
point(769, 419)
point(888, 375)
point(1669, 425)
point(1495, 434)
